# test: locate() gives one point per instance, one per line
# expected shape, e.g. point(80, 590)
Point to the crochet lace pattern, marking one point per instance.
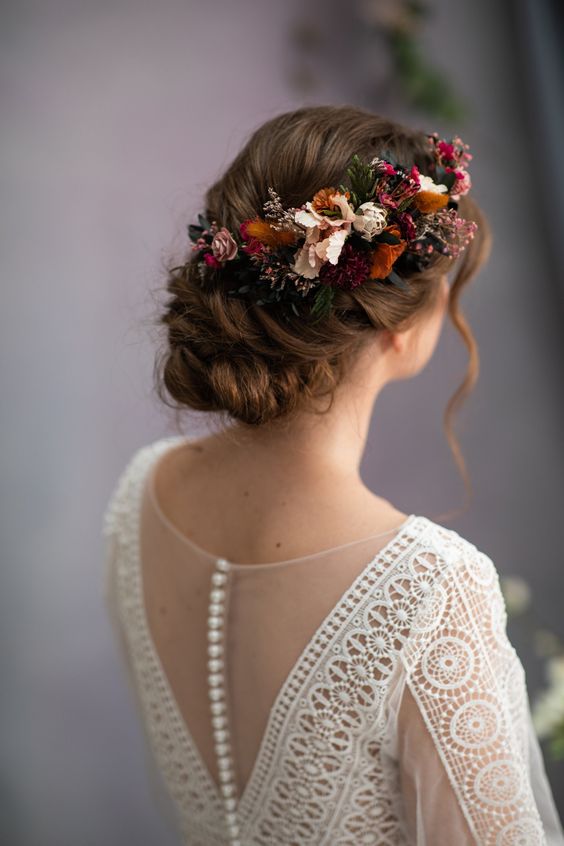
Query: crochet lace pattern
point(427, 608)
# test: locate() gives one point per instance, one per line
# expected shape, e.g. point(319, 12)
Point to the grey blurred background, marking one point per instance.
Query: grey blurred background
point(115, 117)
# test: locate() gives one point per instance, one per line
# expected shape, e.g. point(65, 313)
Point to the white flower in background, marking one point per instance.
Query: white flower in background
point(427, 184)
point(548, 711)
point(370, 220)
point(517, 594)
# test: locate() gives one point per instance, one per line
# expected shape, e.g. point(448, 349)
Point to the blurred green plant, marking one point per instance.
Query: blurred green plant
point(548, 706)
point(398, 26)
point(424, 87)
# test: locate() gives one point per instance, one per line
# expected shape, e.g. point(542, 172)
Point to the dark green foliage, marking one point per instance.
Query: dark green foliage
point(361, 179)
point(323, 302)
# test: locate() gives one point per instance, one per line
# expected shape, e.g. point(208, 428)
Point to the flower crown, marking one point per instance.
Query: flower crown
point(389, 221)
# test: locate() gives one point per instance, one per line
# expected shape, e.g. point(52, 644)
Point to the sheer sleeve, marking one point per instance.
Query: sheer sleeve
point(469, 765)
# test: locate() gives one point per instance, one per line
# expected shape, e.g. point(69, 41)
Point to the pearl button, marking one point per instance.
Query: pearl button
point(219, 579)
point(217, 595)
point(216, 692)
point(222, 749)
point(215, 649)
point(214, 695)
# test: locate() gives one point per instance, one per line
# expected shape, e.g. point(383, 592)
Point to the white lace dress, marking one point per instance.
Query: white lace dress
point(364, 695)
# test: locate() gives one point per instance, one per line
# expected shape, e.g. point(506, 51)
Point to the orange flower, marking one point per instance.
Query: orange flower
point(429, 201)
point(264, 232)
point(385, 255)
point(322, 201)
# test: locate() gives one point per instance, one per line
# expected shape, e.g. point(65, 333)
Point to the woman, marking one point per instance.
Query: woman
point(312, 664)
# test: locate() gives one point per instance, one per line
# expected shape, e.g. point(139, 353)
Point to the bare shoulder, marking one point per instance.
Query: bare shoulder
point(258, 505)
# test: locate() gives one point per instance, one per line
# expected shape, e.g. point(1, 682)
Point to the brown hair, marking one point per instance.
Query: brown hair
point(242, 360)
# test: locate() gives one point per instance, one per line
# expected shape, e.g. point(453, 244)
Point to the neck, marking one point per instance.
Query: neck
point(315, 447)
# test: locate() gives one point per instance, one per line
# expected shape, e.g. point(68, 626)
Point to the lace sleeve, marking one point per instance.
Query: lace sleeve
point(469, 763)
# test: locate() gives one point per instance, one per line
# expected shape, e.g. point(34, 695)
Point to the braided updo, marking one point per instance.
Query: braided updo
point(243, 360)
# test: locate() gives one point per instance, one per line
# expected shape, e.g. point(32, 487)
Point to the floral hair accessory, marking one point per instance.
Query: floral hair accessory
point(388, 221)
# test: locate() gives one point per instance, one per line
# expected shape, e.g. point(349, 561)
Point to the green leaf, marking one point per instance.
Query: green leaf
point(323, 302)
point(194, 232)
point(361, 180)
point(386, 238)
point(449, 179)
point(203, 221)
point(396, 280)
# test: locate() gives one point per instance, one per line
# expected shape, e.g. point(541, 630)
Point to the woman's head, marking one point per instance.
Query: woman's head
point(245, 360)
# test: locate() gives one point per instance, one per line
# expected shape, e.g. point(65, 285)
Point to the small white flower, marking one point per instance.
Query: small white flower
point(427, 184)
point(370, 219)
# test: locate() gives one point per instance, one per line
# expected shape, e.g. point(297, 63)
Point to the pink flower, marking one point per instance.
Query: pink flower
point(415, 174)
point(462, 184)
point(383, 167)
point(446, 150)
point(211, 260)
point(224, 247)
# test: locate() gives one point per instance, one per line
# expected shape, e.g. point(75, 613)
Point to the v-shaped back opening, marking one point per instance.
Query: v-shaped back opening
point(276, 629)
point(151, 491)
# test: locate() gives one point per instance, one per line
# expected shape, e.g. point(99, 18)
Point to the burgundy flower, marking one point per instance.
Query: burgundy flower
point(352, 269)
point(407, 226)
point(211, 260)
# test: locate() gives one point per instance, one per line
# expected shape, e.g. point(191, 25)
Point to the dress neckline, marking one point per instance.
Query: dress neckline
point(180, 441)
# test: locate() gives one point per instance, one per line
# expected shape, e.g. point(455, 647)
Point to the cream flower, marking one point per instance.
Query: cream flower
point(329, 249)
point(427, 184)
point(325, 236)
point(309, 217)
point(370, 219)
point(307, 263)
point(314, 252)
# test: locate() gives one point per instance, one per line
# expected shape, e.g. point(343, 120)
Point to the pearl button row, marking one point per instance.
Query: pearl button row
point(217, 696)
